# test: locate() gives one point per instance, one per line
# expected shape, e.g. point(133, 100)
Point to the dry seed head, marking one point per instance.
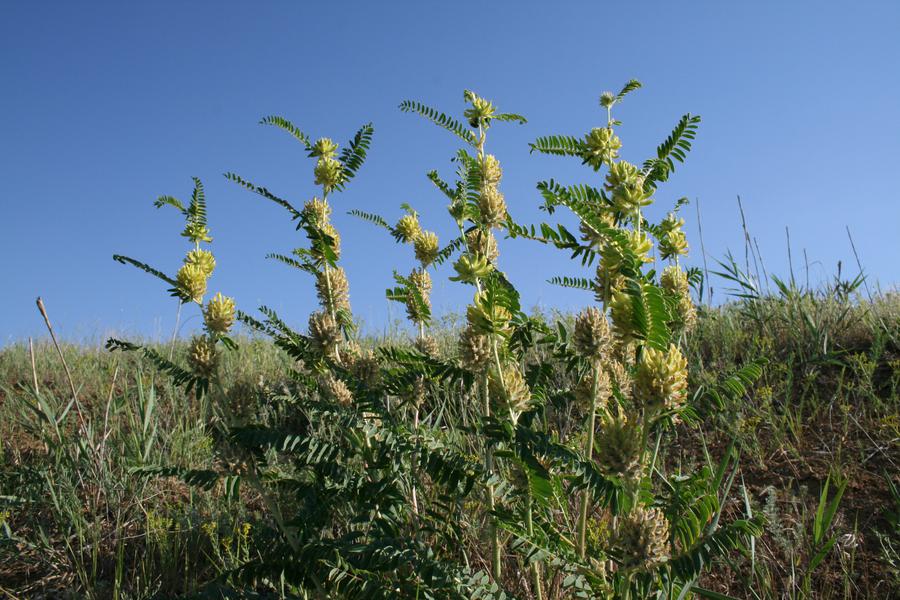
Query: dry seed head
point(474, 350)
point(408, 228)
point(492, 206)
point(643, 538)
point(324, 333)
point(491, 172)
point(426, 247)
point(334, 389)
point(339, 296)
point(328, 173)
point(602, 146)
point(191, 279)
point(661, 380)
point(591, 337)
point(203, 356)
point(324, 148)
point(316, 211)
point(219, 314)
point(483, 243)
point(619, 449)
point(203, 259)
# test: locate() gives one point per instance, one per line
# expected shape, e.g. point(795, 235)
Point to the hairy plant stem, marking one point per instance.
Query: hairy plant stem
point(588, 454)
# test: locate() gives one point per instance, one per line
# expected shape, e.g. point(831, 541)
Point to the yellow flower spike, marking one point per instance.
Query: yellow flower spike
point(483, 243)
point(619, 173)
point(642, 538)
point(509, 390)
point(324, 333)
point(428, 346)
point(421, 281)
point(407, 228)
point(316, 212)
point(602, 146)
point(619, 377)
point(481, 111)
point(474, 350)
point(191, 280)
point(584, 391)
point(219, 314)
point(329, 230)
point(674, 281)
point(488, 319)
point(196, 232)
point(426, 247)
point(619, 448)
point(607, 99)
point(364, 366)
point(492, 206)
point(203, 355)
point(203, 259)
point(491, 172)
point(593, 237)
point(334, 389)
point(324, 148)
point(470, 268)
point(333, 289)
point(661, 380)
point(328, 173)
point(629, 196)
point(591, 337)
point(641, 244)
point(622, 313)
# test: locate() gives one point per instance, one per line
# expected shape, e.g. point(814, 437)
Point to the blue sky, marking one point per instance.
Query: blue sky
point(104, 106)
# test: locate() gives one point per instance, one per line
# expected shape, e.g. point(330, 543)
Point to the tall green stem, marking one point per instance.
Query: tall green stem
point(536, 565)
point(489, 470)
point(588, 455)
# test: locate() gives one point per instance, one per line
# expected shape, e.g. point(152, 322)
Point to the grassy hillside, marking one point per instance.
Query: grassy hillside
point(826, 405)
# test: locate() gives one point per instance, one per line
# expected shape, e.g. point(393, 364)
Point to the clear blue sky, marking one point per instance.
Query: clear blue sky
point(104, 106)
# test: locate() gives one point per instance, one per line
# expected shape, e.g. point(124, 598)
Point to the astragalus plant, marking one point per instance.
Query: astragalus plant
point(411, 471)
